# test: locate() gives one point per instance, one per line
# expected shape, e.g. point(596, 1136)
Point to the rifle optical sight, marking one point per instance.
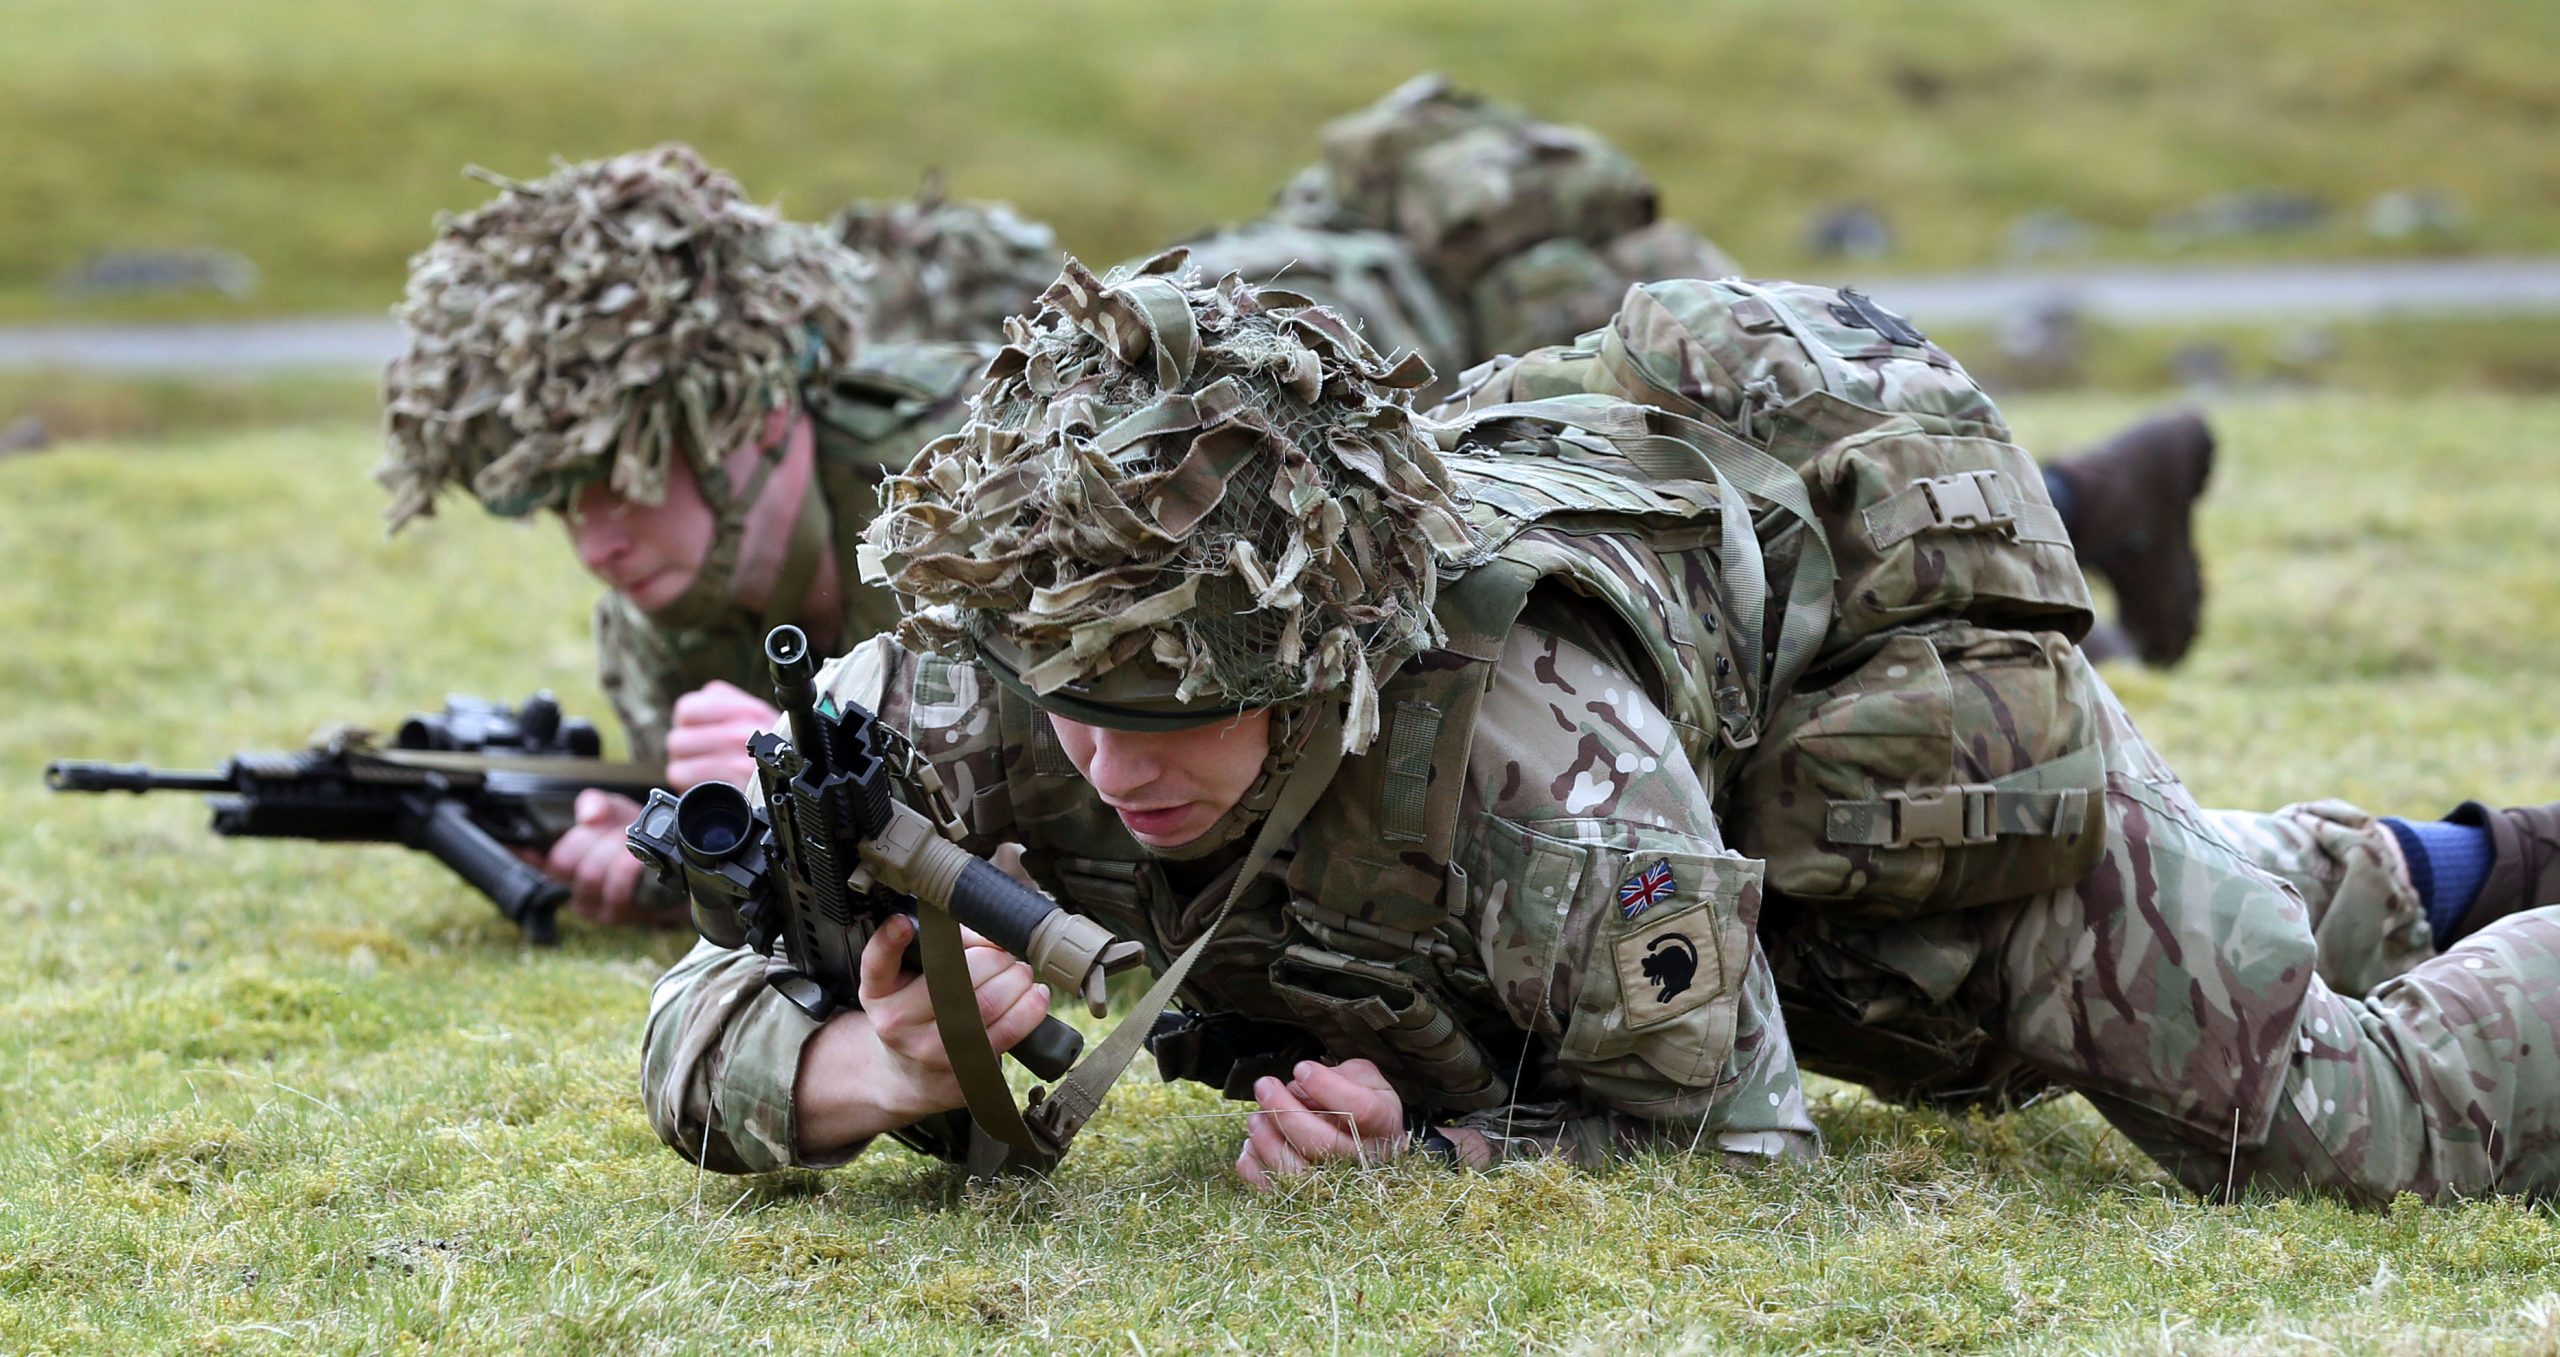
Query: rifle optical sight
point(713, 821)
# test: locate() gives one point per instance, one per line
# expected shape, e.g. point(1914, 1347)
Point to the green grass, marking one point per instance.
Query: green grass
point(318, 136)
point(283, 1098)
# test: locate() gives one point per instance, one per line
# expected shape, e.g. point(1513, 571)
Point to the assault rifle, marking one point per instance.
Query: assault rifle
point(832, 852)
point(464, 784)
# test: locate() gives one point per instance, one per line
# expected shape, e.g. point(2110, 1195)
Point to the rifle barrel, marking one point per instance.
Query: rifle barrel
point(76, 776)
point(795, 683)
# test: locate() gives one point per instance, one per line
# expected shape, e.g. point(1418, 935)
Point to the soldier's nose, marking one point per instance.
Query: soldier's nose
point(1121, 766)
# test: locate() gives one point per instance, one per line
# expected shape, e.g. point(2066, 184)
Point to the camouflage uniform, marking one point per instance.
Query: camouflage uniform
point(1974, 880)
point(1537, 946)
point(2179, 986)
point(1511, 895)
point(620, 315)
point(2252, 999)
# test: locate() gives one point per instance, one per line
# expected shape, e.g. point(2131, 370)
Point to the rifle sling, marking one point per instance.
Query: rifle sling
point(964, 1030)
point(1065, 1110)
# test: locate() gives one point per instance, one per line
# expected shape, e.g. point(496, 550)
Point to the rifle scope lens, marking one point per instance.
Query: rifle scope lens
point(712, 820)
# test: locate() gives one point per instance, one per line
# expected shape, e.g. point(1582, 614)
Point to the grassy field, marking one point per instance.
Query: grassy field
point(318, 136)
point(284, 1098)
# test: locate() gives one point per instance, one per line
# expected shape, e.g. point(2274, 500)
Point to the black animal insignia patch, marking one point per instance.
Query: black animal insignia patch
point(1670, 968)
point(1858, 310)
point(1671, 963)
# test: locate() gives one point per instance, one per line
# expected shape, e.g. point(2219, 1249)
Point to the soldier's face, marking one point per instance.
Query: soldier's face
point(647, 553)
point(1169, 786)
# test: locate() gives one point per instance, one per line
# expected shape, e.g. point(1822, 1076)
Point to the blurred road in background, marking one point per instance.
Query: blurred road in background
point(2125, 295)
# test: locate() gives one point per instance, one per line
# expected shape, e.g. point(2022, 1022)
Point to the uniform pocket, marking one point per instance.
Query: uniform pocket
point(1646, 955)
point(1361, 1008)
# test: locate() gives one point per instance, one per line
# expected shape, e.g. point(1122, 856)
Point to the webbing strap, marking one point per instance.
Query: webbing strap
point(964, 1032)
point(1701, 451)
point(1065, 1110)
point(1404, 815)
point(1808, 617)
point(708, 595)
point(808, 545)
point(1974, 812)
point(1971, 501)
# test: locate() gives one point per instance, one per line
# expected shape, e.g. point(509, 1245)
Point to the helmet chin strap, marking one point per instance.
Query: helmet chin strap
point(712, 594)
point(1290, 727)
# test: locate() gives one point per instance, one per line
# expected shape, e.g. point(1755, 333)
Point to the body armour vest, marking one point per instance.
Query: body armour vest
point(1349, 945)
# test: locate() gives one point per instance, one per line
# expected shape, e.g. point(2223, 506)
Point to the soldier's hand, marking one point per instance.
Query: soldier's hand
point(1345, 1111)
point(593, 861)
point(917, 1074)
point(708, 740)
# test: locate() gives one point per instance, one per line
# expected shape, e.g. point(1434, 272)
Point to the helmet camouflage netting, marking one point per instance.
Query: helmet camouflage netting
point(946, 270)
point(599, 322)
point(1222, 487)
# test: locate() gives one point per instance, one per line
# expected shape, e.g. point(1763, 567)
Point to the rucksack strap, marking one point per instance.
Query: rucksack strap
point(1697, 451)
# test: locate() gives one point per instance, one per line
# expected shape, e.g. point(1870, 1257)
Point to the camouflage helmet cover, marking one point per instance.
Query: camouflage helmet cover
point(944, 270)
point(1467, 180)
point(1173, 501)
point(601, 321)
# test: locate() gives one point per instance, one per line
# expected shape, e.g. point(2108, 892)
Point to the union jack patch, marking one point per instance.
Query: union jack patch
point(1641, 891)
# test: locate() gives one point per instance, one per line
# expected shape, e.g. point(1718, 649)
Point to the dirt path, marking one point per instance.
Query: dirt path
point(2122, 295)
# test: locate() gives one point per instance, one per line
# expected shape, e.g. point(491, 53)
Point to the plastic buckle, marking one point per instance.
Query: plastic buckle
point(1963, 503)
point(1941, 815)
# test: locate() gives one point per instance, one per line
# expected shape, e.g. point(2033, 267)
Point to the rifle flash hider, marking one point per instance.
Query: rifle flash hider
point(1068, 952)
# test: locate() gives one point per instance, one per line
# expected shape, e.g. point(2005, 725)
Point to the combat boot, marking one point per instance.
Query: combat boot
point(2128, 506)
point(2524, 862)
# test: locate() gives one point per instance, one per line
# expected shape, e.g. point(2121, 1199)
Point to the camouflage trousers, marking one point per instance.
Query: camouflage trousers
point(2252, 999)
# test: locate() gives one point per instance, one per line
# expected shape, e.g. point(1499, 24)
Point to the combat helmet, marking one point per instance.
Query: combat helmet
point(945, 270)
point(1175, 501)
point(597, 324)
point(1533, 230)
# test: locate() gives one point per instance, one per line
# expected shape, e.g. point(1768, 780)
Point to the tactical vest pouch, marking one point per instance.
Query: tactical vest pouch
point(1360, 1008)
point(1863, 795)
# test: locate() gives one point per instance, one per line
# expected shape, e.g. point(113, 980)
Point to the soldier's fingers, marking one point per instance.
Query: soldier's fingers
point(1314, 1132)
point(999, 991)
point(1357, 1089)
point(986, 960)
point(595, 873)
point(683, 775)
point(1271, 1148)
point(717, 739)
point(1358, 1070)
point(600, 809)
point(621, 882)
point(1008, 1030)
point(567, 854)
point(1249, 1167)
point(718, 701)
point(883, 959)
